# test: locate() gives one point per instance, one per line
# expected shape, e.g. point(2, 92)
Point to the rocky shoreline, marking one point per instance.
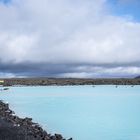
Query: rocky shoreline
point(14, 128)
point(69, 81)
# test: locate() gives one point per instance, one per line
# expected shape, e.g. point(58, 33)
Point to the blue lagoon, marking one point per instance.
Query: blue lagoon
point(80, 112)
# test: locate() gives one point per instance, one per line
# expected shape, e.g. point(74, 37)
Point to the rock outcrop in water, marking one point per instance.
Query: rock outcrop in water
point(14, 128)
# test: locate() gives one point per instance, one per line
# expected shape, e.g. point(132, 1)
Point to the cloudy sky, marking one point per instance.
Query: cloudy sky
point(69, 38)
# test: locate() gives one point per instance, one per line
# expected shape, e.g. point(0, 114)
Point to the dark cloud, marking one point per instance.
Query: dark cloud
point(70, 70)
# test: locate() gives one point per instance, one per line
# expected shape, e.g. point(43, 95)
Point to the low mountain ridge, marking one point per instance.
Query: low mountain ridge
point(138, 77)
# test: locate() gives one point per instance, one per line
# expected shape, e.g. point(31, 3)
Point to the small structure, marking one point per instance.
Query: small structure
point(1, 82)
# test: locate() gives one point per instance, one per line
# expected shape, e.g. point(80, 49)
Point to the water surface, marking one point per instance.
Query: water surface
point(81, 112)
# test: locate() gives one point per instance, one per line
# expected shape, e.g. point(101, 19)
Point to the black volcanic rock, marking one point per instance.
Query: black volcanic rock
point(14, 128)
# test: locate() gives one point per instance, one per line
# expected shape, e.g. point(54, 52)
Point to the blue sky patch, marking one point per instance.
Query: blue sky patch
point(5, 1)
point(130, 8)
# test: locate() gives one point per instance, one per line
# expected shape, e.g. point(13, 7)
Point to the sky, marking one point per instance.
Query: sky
point(69, 38)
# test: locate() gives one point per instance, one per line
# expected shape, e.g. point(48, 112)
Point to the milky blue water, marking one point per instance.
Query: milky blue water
point(81, 112)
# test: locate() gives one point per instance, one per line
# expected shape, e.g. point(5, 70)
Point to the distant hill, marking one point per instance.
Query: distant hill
point(138, 77)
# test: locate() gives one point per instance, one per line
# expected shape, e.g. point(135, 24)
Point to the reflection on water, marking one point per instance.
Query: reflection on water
point(81, 112)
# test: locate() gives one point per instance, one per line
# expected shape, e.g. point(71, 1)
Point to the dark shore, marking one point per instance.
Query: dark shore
point(14, 128)
point(69, 81)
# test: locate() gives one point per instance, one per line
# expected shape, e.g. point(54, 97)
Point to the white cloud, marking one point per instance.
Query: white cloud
point(16, 47)
point(66, 31)
point(6, 75)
